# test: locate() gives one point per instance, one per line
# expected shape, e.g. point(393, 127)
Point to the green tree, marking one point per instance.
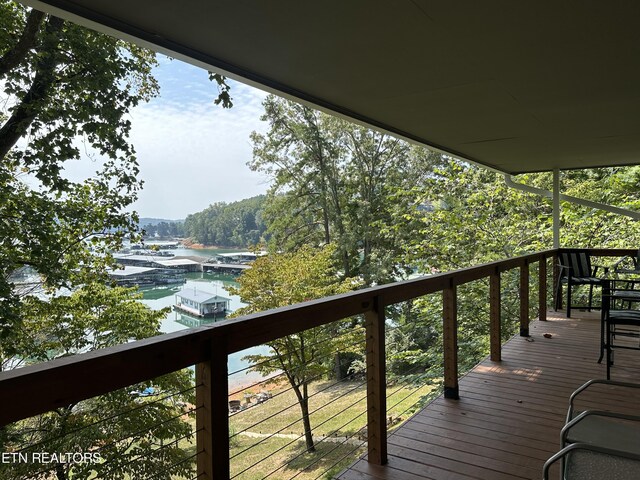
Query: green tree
point(51, 71)
point(283, 279)
point(68, 91)
point(130, 439)
point(67, 95)
point(464, 215)
point(334, 182)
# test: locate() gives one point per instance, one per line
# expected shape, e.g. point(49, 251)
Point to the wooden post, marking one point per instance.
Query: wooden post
point(542, 280)
point(524, 299)
point(557, 299)
point(376, 384)
point(450, 339)
point(212, 415)
point(494, 317)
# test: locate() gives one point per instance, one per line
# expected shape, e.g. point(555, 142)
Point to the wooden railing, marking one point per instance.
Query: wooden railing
point(41, 388)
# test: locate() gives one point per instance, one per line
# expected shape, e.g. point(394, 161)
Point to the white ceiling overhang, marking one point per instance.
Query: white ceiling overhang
point(515, 86)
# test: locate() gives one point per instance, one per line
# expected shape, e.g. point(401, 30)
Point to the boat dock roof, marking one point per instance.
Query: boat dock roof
point(201, 297)
point(129, 271)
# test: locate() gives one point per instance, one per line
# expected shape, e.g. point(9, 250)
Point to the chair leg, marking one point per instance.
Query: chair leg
point(558, 303)
point(569, 299)
point(609, 352)
point(602, 344)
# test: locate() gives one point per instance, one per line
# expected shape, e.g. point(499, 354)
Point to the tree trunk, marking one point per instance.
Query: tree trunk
point(27, 41)
point(303, 401)
point(306, 421)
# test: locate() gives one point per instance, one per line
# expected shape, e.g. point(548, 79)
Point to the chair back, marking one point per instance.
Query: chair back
point(579, 262)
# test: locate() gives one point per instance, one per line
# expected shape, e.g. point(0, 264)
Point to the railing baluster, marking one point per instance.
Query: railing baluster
point(212, 414)
point(542, 280)
point(376, 383)
point(450, 339)
point(524, 299)
point(495, 327)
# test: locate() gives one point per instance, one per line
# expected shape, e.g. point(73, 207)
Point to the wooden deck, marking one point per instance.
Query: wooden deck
point(508, 419)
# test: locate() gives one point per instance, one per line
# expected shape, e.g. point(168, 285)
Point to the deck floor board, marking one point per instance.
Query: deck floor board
point(508, 419)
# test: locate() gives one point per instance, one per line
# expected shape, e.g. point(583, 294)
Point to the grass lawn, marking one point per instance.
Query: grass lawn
point(279, 458)
point(336, 410)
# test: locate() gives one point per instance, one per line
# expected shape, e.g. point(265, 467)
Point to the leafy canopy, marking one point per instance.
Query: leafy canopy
point(282, 279)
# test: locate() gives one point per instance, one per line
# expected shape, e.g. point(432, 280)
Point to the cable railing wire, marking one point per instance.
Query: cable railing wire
point(273, 434)
point(315, 360)
point(404, 398)
point(278, 412)
point(322, 423)
point(25, 447)
point(338, 445)
point(294, 440)
point(315, 377)
point(129, 435)
point(168, 469)
point(348, 332)
point(149, 429)
point(151, 451)
point(347, 454)
point(326, 436)
point(329, 436)
point(295, 404)
point(361, 341)
point(297, 420)
point(411, 406)
point(175, 441)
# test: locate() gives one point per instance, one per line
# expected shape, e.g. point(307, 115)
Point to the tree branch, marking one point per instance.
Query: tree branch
point(16, 126)
point(18, 53)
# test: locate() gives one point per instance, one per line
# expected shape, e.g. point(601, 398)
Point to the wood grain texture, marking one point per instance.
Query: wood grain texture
point(508, 419)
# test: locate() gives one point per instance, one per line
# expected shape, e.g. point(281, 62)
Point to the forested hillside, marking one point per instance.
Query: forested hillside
point(236, 224)
point(158, 228)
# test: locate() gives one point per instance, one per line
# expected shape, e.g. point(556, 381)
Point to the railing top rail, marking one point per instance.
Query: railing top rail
point(39, 388)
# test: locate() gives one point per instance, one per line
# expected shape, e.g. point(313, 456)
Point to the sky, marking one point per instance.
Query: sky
point(192, 152)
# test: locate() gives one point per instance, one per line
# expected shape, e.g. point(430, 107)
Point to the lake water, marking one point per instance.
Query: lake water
point(161, 297)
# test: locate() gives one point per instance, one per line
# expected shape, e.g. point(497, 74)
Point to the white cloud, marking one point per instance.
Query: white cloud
point(195, 153)
point(191, 152)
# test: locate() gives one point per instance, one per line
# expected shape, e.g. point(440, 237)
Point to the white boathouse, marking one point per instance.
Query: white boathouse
point(201, 304)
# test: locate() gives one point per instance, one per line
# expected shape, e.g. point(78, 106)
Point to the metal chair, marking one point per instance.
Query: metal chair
point(615, 431)
point(620, 317)
point(585, 462)
point(628, 264)
point(575, 269)
point(625, 390)
point(599, 444)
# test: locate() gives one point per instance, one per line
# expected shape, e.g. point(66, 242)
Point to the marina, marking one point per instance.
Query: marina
point(151, 267)
point(163, 297)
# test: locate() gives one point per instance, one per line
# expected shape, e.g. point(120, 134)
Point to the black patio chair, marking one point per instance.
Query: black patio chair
point(628, 264)
point(620, 318)
point(575, 269)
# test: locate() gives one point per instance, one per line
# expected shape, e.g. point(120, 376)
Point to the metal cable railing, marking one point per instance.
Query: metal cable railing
point(144, 429)
point(179, 350)
point(294, 446)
